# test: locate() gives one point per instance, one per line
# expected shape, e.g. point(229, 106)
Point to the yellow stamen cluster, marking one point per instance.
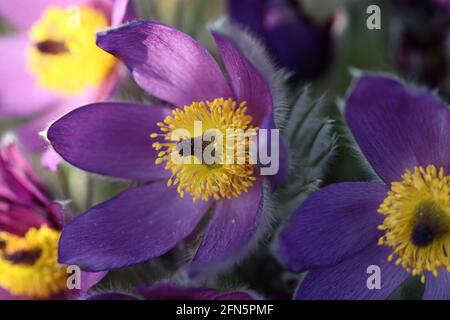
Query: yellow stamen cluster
point(62, 54)
point(40, 277)
point(417, 221)
point(225, 180)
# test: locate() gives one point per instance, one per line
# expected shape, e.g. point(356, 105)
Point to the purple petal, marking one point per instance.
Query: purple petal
point(246, 82)
point(5, 295)
point(438, 288)
point(231, 230)
point(166, 291)
point(167, 63)
point(88, 280)
point(333, 224)
point(23, 13)
point(137, 225)
point(397, 127)
point(112, 139)
point(349, 280)
point(19, 93)
point(310, 47)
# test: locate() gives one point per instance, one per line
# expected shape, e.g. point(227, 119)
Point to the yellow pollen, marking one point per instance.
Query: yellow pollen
point(417, 221)
point(226, 178)
point(62, 54)
point(28, 264)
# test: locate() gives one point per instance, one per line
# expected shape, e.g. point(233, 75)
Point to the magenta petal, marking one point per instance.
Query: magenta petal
point(23, 13)
point(438, 288)
point(247, 83)
point(167, 63)
point(398, 127)
point(231, 230)
point(332, 224)
point(112, 139)
point(348, 280)
point(137, 225)
point(19, 94)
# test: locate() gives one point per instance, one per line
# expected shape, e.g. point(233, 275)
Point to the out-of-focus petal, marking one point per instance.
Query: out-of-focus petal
point(19, 94)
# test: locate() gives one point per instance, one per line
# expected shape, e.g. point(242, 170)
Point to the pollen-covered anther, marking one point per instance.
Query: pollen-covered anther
point(29, 266)
point(417, 221)
point(185, 137)
point(62, 54)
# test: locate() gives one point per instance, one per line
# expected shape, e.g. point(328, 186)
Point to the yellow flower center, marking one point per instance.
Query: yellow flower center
point(62, 54)
point(417, 221)
point(220, 129)
point(28, 264)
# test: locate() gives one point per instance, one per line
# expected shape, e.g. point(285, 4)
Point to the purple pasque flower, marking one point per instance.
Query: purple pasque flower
point(50, 63)
point(401, 225)
point(30, 226)
point(289, 34)
point(421, 42)
point(168, 291)
point(115, 139)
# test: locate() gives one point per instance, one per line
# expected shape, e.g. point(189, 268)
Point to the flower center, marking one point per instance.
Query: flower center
point(417, 221)
point(207, 148)
point(28, 264)
point(62, 54)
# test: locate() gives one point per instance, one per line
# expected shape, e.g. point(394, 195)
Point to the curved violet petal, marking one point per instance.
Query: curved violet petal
point(137, 225)
point(349, 280)
point(331, 225)
point(167, 63)
point(19, 93)
point(397, 127)
point(112, 139)
point(438, 288)
point(23, 13)
point(166, 291)
point(247, 83)
point(232, 228)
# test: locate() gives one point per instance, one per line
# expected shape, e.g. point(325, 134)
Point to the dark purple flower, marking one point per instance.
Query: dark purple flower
point(291, 37)
point(48, 67)
point(30, 227)
point(402, 225)
point(167, 291)
point(115, 139)
point(421, 42)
